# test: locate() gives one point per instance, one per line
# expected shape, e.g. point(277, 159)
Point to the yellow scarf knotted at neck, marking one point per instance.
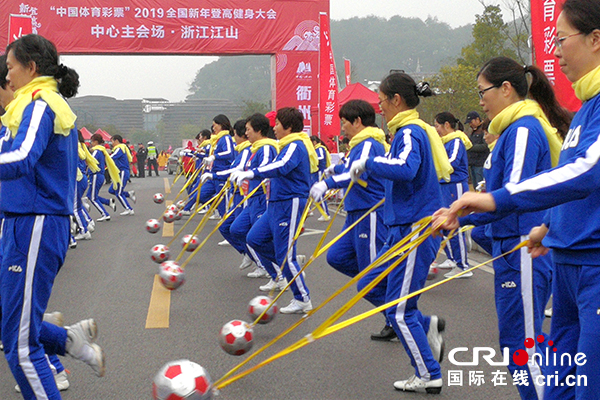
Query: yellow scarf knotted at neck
point(440, 157)
point(264, 142)
point(204, 144)
point(113, 170)
point(45, 87)
point(214, 139)
point(588, 86)
point(458, 134)
point(244, 145)
point(370, 132)
point(327, 155)
point(312, 154)
point(90, 161)
point(125, 150)
point(492, 145)
point(526, 108)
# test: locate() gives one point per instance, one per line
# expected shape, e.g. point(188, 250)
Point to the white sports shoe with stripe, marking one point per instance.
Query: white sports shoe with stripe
point(80, 345)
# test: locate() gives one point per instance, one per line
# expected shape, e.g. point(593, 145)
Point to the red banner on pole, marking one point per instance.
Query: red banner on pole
point(328, 88)
point(18, 25)
point(347, 71)
point(543, 26)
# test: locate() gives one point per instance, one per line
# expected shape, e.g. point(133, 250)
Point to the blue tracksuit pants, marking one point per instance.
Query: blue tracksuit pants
point(236, 241)
point(96, 182)
point(121, 194)
point(456, 249)
point(271, 237)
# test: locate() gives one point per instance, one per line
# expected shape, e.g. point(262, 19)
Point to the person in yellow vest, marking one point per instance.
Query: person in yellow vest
point(152, 158)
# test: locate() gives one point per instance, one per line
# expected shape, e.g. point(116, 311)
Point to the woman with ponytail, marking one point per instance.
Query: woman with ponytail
point(525, 117)
point(38, 163)
point(571, 192)
point(456, 143)
point(411, 171)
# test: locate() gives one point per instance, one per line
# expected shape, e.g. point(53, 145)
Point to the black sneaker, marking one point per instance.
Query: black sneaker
point(387, 334)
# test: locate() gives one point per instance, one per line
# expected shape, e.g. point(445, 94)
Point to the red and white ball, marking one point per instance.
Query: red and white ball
point(171, 275)
point(192, 241)
point(160, 253)
point(178, 215)
point(182, 379)
point(152, 225)
point(236, 337)
point(159, 198)
point(180, 204)
point(259, 304)
point(169, 216)
point(173, 207)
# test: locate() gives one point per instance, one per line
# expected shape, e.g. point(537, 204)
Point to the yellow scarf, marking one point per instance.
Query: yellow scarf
point(440, 157)
point(90, 161)
point(244, 145)
point(588, 86)
point(492, 145)
point(45, 87)
point(113, 170)
point(327, 155)
point(124, 149)
point(370, 132)
point(312, 154)
point(214, 139)
point(457, 134)
point(204, 144)
point(264, 142)
point(522, 109)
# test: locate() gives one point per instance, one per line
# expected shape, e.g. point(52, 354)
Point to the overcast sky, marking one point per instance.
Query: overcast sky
point(127, 77)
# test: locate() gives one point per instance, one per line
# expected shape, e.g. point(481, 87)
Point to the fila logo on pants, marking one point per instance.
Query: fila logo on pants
point(509, 285)
point(15, 268)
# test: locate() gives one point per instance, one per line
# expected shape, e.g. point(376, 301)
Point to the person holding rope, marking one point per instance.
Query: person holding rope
point(324, 162)
point(412, 170)
point(122, 157)
point(356, 250)
point(570, 192)
point(272, 235)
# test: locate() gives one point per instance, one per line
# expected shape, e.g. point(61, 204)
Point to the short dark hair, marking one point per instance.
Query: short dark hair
point(239, 128)
point(405, 86)
point(3, 71)
point(222, 120)
point(583, 15)
point(118, 138)
point(96, 137)
point(259, 123)
point(291, 117)
point(358, 109)
point(35, 48)
point(205, 133)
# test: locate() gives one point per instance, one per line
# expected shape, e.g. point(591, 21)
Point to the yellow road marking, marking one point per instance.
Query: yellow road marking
point(160, 306)
point(168, 229)
point(167, 186)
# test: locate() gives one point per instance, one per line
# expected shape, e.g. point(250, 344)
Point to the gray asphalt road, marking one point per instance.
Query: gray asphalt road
point(110, 279)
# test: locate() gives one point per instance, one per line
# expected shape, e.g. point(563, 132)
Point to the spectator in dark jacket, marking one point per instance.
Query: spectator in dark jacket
point(141, 160)
point(479, 152)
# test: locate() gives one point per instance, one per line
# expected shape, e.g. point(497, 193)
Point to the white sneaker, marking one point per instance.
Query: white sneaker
point(113, 204)
point(414, 384)
point(435, 338)
point(456, 271)
point(297, 307)
point(104, 218)
point(186, 213)
point(246, 261)
point(85, 204)
point(310, 214)
point(324, 218)
point(301, 258)
point(80, 338)
point(91, 226)
point(548, 313)
point(72, 243)
point(203, 211)
point(55, 318)
point(279, 285)
point(215, 215)
point(128, 212)
point(62, 383)
point(83, 236)
point(448, 264)
point(258, 273)
point(225, 243)
point(132, 196)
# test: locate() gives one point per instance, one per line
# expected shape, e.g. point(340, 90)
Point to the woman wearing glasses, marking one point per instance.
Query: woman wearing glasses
point(571, 228)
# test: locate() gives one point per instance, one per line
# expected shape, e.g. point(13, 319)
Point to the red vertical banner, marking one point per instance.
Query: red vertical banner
point(543, 25)
point(329, 120)
point(347, 71)
point(19, 25)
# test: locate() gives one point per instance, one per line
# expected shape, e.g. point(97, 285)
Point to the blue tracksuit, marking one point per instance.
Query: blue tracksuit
point(122, 162)
point(37, 171)
point(322, 157)
point(272, 235)
point(412, 192)
point(456, 250)
point(571, 189)
point(78, 209)
point(522, 285)
point(96, 182)
point(358, 248)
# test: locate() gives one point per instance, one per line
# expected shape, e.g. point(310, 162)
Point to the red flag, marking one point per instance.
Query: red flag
point(329, 120)
point(543, 25)
point(347, 71)
point(19, 25)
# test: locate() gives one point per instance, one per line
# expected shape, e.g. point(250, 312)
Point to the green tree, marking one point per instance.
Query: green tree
point(253, 107)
